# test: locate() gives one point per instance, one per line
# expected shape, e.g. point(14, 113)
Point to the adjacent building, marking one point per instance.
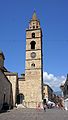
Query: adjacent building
point(47, 93)
point(64, 88)
point(5, 85)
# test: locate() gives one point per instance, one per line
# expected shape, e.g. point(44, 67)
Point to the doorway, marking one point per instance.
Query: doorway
point(20, 98)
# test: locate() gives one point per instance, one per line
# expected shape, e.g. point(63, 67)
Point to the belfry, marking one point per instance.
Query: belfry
point(34, 64)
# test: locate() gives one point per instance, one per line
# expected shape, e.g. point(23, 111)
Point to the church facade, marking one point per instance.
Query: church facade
point(27, 89)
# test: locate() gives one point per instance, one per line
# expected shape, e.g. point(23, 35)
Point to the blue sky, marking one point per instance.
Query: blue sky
point(53, 15)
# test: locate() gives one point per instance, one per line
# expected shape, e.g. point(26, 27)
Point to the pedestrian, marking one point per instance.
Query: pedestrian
point(44, 107)
point(39, 106)
point(16, 105)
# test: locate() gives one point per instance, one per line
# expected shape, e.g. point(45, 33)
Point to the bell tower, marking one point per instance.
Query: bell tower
point(34, 64)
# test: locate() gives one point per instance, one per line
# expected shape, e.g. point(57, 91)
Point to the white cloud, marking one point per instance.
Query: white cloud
point(53, 81)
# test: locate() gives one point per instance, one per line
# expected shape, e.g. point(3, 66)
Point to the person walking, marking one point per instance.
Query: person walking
point(44, 107)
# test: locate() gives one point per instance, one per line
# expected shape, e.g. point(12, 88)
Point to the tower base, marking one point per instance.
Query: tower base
point(33, 104)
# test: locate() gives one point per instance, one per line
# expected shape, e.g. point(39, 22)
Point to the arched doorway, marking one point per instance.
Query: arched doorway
point(20, 98)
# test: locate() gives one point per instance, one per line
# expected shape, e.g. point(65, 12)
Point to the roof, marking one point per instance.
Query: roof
point(47, 86)
point(34, 17)
point(5, 76)
point(8, 73)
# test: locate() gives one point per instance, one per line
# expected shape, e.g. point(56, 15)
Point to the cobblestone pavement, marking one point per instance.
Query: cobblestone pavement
point(33, 114)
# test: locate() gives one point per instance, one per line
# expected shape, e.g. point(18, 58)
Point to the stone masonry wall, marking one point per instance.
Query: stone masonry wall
point(13, 77)
point(5, 90)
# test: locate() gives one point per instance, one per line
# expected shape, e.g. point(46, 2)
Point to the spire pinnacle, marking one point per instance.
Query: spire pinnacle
point(34, 17)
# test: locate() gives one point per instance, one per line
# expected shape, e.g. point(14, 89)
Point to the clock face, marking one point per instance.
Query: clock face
point(33, 54)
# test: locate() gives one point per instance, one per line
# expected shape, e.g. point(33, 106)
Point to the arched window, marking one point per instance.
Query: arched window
point(32, 65)
point(33, 44)
point(33, 27)
point(36, 26)
point(33, 35)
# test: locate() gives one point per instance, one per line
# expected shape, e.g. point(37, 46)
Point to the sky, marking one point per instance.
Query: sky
point(53, 15)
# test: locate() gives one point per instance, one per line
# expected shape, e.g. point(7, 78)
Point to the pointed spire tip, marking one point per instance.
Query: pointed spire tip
point(34, 17)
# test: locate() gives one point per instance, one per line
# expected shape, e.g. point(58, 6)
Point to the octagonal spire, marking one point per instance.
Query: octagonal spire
point(34, 17)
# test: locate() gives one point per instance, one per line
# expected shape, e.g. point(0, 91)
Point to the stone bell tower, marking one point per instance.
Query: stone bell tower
point(34, 64)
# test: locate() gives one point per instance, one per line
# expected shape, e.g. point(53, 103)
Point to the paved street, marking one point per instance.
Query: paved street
point(33, 114)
